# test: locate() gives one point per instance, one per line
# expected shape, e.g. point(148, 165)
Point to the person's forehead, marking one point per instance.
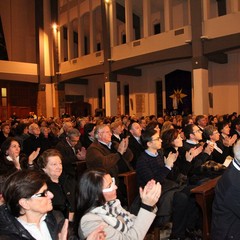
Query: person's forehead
point(195, 128)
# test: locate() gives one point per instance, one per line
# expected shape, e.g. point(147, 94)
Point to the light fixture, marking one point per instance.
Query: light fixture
point(54, 26)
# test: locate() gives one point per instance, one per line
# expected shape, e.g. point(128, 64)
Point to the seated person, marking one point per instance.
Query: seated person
point(175, 204)
point(12, 160)
point(225, 210)
point(225, 138)
point(97, 204)
point(26, 211)
point(63, 190)
point(220, 152)
point(28, 203)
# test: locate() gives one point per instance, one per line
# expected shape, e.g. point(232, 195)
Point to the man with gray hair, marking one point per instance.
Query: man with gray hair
point(71, 151)
point(226, 205)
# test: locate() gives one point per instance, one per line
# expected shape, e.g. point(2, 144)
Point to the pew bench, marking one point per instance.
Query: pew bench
point(204, 195)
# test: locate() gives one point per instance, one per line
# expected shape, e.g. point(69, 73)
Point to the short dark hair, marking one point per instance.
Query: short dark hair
point(43, 158)
point(168, 137)
point(221, 125)
point(147, 137)
point(22, 184)
point(199, 117)
point(188, 130)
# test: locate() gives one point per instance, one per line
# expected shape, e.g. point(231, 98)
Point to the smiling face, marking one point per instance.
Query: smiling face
point(14, 149)
point(54, 167)
point(109, 188)
point(105, 135)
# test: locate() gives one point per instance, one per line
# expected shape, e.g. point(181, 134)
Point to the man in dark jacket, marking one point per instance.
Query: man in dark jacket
point(226, 205)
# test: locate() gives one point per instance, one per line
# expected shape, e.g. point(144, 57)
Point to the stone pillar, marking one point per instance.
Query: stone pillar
point(129, 20)
point(167, 15)
point(111, 98)
point(92, 26)
point(200, 91)
point(146, 18)
point(113, 23)
point(70, 41)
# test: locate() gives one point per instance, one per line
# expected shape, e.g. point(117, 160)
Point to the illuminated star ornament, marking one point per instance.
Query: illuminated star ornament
point(177, 97)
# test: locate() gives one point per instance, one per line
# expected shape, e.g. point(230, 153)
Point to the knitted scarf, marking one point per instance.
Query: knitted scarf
point(116, 216)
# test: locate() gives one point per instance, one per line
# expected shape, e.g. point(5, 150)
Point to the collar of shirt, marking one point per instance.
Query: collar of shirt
point(215, 146)
point(37, 233)
point(236, 164)
point(109, 145)
point(151, 154)
point(192, 142)
point(117, 136)
point(11, 160)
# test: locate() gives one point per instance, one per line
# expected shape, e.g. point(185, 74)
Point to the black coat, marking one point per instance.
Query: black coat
point(226, 206)
point(10, 228)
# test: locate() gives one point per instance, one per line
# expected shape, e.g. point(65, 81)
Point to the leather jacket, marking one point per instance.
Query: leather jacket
point(10, 228)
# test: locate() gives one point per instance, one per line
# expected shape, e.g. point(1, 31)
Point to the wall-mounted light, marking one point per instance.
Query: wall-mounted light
point(54, 27)
point(107, 1)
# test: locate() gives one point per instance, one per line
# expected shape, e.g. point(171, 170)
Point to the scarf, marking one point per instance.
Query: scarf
point(116, 216)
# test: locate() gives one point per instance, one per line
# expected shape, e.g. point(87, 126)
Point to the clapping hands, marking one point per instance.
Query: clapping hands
point(150, 193)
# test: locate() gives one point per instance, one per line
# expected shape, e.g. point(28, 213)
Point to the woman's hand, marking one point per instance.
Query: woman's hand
point(192, 153)
point(32, 156)
point(151, 193)
point(63, 234)
point(97, 234)
point(171, 158)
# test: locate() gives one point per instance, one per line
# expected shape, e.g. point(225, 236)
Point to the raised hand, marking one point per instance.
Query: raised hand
point(63, 234)
point(171, 158)
point(81, 154)
point(122, 147)
point(33, 155)
point(150, 193)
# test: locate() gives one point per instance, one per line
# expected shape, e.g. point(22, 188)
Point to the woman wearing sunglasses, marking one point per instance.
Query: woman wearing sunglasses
point(98, 205)
point(26, 214)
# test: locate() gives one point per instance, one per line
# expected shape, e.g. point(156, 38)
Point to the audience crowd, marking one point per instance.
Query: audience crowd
point(41, 184)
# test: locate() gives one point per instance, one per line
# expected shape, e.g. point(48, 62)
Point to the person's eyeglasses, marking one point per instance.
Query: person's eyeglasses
point(111, 188)
point(42, 194)
point(156, 139)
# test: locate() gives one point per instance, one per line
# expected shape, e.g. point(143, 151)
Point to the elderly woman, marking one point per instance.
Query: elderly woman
point(12, 160)
point(97, 204)
point(64, 193)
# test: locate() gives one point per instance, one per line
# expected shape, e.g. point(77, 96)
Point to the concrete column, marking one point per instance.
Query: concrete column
point(235, 6)
point(80, 37)
point(200, 91)
point(205, 10)
point(111, 98)
point(146, 18)
point(70, 41)
point(113, 23)
point(92, 24)
point(129, 20)
point(167, 15)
